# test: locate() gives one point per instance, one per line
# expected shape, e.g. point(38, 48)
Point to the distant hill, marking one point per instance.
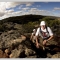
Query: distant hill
point(25, 19)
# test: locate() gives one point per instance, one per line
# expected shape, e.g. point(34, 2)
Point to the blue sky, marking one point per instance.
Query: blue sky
point(22, 8)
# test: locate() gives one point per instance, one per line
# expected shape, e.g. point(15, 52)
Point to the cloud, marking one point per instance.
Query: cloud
point(14, 4)
point(20, 7)
point(56, 8)
point(5, 10)
point(38, 5)
point(9, 11)
point(40, 12)
point(29, 4)
point(26, 11)
point(1, 14)
point(26, 8)
point(26, 3)
point(36, 12)
point(6, 5)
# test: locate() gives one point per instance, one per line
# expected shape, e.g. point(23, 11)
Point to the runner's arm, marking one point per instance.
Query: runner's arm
point(50, 33)
point(50, 38)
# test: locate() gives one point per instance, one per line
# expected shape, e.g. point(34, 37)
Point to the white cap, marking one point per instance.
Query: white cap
point(33, 29)
point(42, 23)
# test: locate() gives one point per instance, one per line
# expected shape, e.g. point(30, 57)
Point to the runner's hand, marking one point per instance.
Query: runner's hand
point(44, 42)
point(37, 45)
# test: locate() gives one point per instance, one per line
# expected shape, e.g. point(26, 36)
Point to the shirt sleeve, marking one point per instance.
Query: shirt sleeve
point(37, 32)
point(50, 31)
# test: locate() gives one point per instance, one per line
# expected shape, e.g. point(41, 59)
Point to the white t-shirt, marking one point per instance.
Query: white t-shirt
point(38, 33)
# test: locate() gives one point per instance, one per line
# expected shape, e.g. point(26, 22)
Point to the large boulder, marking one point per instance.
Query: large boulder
point(56, 55)
point(16, 53)
point(3, 55)
point(10, 37)
point(14, 42)
point(49, 55)
point(29, 52)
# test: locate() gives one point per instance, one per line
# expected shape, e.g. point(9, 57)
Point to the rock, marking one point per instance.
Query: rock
point(56, 55)
point(10, 32)
point(10, 37)
point(9, 43)
point(21, 47)
point(29, 52)
point(52, 42)
point(16, 53)
point(9, 25)
point(7, 51)
point(35, 56)
point(3, 55)
point(49, 55)
point(19, 40)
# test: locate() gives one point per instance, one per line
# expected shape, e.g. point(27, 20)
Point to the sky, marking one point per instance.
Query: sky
point(10, 9)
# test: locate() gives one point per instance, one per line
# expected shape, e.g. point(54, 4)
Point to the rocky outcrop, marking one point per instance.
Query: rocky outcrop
point(15, 41)
point(15, 45)
point(56, 55)
point(16, 53)
point(29, 52)
point(10, 37)
point(3, 55)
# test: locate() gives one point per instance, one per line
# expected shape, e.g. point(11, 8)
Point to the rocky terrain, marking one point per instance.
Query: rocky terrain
point(15, 41)
point(15, 45)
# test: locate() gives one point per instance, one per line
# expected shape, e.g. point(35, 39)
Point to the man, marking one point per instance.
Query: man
point(45, 33)
point(33, 37)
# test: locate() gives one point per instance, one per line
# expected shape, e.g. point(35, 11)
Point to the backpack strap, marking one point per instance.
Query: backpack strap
point(46, 30)
point(40, 30)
